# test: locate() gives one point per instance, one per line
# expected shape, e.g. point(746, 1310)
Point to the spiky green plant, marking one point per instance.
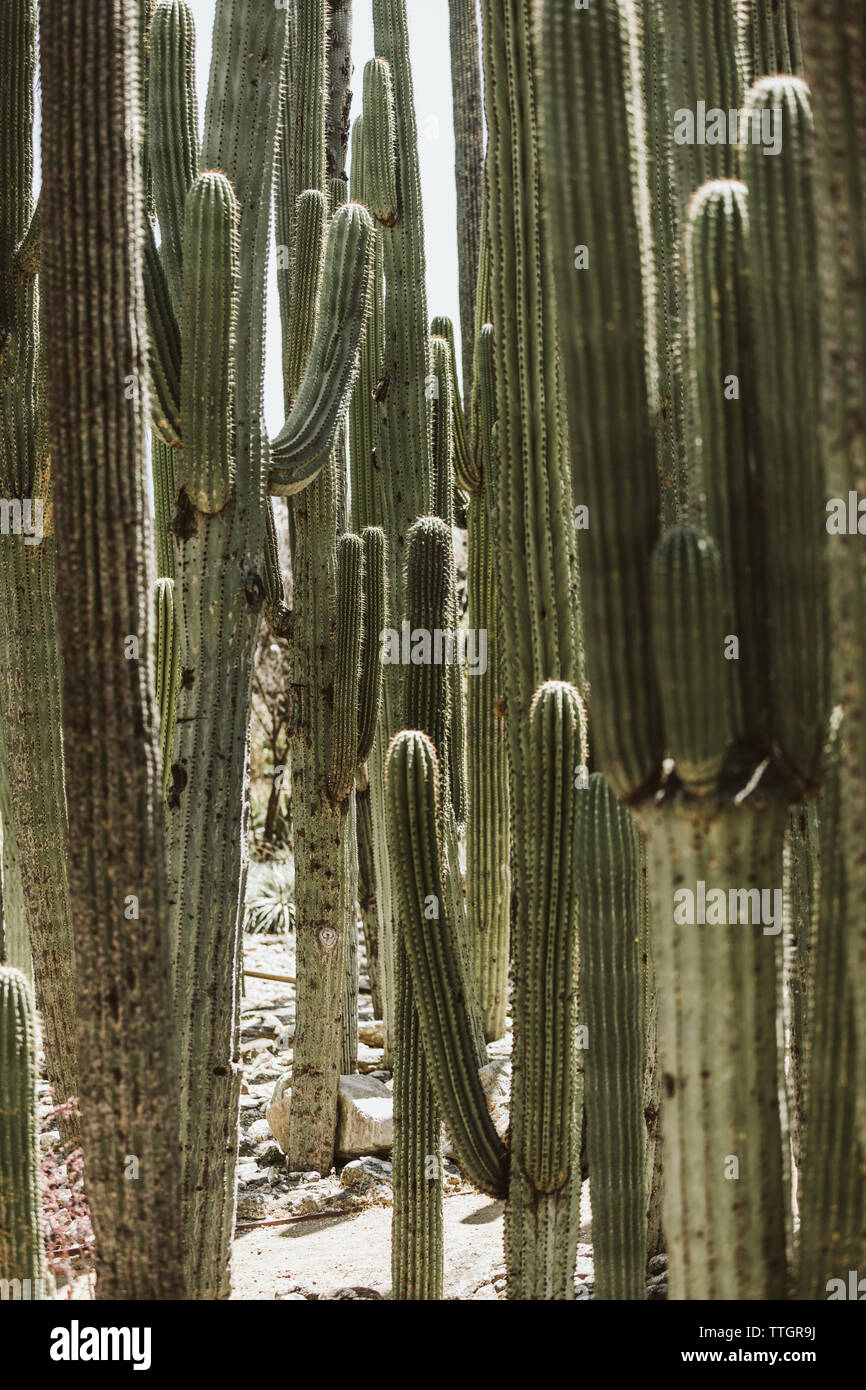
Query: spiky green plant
point(92, 200)
point(718, 819)
point(22, 1252)
point(270, 903)
point(29, 657)
point(222, 525)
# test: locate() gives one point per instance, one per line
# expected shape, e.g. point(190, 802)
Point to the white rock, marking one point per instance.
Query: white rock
point(365, 1117)
point(279, 1110)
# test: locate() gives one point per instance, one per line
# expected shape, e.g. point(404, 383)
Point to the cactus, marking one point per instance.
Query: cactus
point(29, 658)
point(167, 672)
point(834, 43)
point(14, 939)
point(718, 817)
point(611, 985)
point(328, 585)
point(224, 560)
point(469, 170)
point(832, 1197)
point(117, 870)
point(22, 1257)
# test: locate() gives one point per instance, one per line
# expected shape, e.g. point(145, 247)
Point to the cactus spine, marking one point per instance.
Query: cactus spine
point(117, 870)
point(21, 1240)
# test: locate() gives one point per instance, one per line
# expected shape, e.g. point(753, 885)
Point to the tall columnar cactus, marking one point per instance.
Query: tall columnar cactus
point(488, 876)
point(328, 617)
point(222, 528)
point(93, 222)
point(611, 1007)
point(29, 659)
point(469, 171)
point(22, 1256)
point(14, 934)
point(832, 1192)
point(769, 38)
point(725, 1178)
point(834, 42)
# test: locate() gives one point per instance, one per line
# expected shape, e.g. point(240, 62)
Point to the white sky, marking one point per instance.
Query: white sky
point(428, 29)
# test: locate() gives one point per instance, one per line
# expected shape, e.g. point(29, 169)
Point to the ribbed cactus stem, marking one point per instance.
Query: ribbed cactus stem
point(172, 129)
point(611, 1006)
point(370, 690)
point(301, 448)
point(206, 468)
point(834, 42)
point(724, 443)
point(832, 1191)
point(167, 668)
point(718, 965)
point(121, 908)
point(165, 352)
point(347, 663)
point(438, 985)
point(310, 220)
point(590, 108)
point(688, 641)
point(465, 467)
point(770, 43)
point(787, 338)
point(22, 1256)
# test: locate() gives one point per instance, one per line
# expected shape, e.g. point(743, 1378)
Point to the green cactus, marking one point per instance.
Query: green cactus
point(832, 1194)
point(167, 672)
point(688, 632)
point(14, 938)
point(92, 194)
point(611, 987)
point(225, 560)
point(834, 43)
point(469, 170)
point(769, 39)
point(29, 657)
point(726, 1212)
point(22, 1255)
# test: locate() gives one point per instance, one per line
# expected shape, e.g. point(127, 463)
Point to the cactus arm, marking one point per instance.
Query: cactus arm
point(724, 442)
point(787, 338)
point(611, 985)
point(338, 62)
point(302, 447)
point(688, 640)
point(21, 1239)
point(366, 498)
point(208, 325)
point(172, 129)
point(165, 348)
point(434, 957)
point(117, 873)
point(465, 468)
point(310, 219)
point(604, 325)
point(27, 254)
point(370, 697)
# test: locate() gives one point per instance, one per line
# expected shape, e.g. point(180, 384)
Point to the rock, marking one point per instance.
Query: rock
point(362, 1172)
point(284, 1296)
point(369, 1058)
point(259, 1130)
point(655, 1292)
point(495, 1078)
point(270, 1155)
point(371, 1034)
point(354, 1294)
point(279, 1111)
point(255, 1046)
point(252, 1206)
point(365, 1117)
point(657, 1264)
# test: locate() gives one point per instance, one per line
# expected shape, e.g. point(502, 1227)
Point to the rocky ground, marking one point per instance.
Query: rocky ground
point(327, 1235)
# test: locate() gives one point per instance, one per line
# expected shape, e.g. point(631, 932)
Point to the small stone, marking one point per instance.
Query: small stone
point(252, 1207)
point(363, 1172)
point(657, 1264)
point(259, 1130)
point(372, 1034)
point(278, 1113)
point(655, 1292)
point(365, 1117)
